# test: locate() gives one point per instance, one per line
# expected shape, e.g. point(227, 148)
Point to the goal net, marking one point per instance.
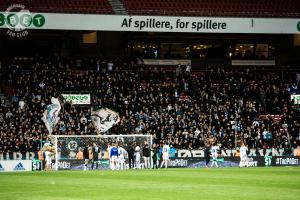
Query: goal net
point(69, 149)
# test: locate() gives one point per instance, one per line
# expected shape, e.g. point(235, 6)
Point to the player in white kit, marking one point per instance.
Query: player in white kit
point(243, 156)
point(122, 154)
point(108, 156)
point(48, 158)
point(214, 154)
point(137, 157)
point(165, 155)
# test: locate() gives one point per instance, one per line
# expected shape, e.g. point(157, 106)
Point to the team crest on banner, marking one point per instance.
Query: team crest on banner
point(103, 119)
point(50, 116)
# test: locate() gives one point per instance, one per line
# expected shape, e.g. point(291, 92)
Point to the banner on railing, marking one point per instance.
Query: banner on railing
point(15, 165)
point(295, 98)
point(77, 99)
point(59, 21)
point(178, 153)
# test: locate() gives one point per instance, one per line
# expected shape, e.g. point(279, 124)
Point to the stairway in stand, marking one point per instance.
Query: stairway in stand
point(118, 7)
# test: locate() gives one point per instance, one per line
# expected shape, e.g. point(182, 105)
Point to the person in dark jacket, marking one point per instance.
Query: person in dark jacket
point(95, 151)
point(207, 154)
point(155, 156)
point(146, 155)
point(130, 151)
point(86, 156)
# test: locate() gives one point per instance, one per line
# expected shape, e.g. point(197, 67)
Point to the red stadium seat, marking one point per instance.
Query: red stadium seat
point(234, 8)
point(60, 6)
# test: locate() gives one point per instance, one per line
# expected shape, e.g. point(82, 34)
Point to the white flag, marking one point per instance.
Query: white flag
point(103, 119)
point(50, 116)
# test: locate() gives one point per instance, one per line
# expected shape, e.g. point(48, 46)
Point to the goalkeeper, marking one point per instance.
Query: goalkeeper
point(95, 151)
point(86, 157)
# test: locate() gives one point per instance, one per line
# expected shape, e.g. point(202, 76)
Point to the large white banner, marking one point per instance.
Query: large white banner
point(15, 165)
point(103, 119)
point(149, 23)
point(51, 115)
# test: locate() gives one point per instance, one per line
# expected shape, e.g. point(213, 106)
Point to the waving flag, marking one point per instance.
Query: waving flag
point(103, 119)
point(50, 116)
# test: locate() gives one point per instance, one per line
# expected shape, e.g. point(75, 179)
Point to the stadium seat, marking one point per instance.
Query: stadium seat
point(237, 8)
point(61, 6)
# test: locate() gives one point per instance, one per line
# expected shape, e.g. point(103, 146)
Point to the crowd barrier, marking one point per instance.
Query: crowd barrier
point(16, 161)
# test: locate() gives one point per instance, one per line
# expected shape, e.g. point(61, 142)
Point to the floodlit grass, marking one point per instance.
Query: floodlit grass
point(184, 184)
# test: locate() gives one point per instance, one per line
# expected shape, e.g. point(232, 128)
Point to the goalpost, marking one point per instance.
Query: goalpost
point(68, 146)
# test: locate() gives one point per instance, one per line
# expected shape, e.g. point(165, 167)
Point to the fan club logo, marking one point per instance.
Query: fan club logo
point(72, 145)
point(19, 167)
point(1, 168)
point(17, 19)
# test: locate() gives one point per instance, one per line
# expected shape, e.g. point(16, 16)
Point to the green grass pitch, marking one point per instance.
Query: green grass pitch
point(184, 184)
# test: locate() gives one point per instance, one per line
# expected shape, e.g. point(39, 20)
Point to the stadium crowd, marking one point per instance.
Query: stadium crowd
point(181, 107)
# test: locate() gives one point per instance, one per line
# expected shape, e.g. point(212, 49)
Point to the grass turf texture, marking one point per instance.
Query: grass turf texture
point(185, 184)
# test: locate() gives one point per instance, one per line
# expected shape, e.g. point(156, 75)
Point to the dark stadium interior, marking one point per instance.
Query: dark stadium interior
point(204, 49)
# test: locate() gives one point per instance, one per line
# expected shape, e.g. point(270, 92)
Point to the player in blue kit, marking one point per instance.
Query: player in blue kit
point(114, 157)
